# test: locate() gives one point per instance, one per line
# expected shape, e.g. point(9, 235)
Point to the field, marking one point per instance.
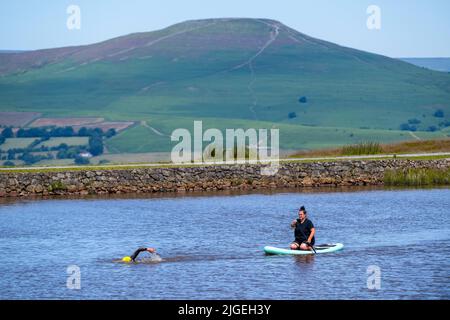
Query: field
point(106, 125)
point(62, 122)
point(351, 95)
point(17, 119)
point(125, 158)
point(139, 139)
point(405, 147)
point(13, 143)
point(292, 137)
point(70, 141)
point(79, 122)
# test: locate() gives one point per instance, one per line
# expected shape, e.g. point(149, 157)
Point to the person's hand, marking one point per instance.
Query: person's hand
point(151, 250)
point(293, 223)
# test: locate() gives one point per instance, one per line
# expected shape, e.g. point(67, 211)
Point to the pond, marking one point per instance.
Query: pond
point(211, 246)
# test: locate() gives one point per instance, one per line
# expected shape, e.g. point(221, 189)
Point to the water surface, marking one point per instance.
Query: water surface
point(211, 246)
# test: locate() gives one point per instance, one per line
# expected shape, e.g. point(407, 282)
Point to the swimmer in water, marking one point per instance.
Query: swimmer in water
point(137, 252)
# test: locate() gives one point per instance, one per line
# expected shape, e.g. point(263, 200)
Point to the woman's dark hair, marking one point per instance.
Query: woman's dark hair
point(302, 208)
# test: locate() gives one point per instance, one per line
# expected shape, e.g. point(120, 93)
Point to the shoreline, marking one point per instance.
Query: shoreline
point(216, 193)
point(344, 173)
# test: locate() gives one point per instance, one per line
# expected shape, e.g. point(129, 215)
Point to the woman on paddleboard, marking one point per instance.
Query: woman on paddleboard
point(304, 232)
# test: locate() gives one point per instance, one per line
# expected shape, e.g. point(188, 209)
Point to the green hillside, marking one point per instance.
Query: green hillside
point(230, 73)
point(438, 64)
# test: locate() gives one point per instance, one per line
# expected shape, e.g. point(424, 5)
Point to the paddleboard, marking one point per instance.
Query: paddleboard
point(322, 248)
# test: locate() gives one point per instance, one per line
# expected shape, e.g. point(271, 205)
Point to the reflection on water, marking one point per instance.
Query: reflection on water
point(306, 259)
point(173, 195)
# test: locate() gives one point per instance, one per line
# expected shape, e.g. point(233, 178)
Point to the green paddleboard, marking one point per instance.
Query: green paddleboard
point(322, 248)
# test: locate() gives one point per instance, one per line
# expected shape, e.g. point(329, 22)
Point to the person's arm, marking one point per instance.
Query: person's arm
point(293, 223)
point(311, 235)
point(136, 253)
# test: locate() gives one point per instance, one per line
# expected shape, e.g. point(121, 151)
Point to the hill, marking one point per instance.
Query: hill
point(229, 73)
point(438, 64)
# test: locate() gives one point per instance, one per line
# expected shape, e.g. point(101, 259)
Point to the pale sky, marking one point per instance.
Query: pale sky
point(409, 28)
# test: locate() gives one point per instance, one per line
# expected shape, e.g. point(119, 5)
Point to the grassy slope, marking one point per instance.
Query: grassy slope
point(175, 83)
point(13, 143)
point(404, 147)
point(70, 141)
point(438, 64)
point(141, 139)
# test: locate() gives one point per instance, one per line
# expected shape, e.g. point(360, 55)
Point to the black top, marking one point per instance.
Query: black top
point(303, 230)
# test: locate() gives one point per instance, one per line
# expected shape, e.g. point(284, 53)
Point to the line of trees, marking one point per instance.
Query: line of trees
point(30, 158)
point(7, 133)
point(49, 132)
point(66, 152)
point(42, 148)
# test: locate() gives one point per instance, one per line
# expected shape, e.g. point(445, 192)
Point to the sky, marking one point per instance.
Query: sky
point(408, 28)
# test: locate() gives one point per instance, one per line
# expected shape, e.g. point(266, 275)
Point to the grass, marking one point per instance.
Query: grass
point(415, 146)
point(417, 177)
point(138, 139)
point(404, 147)
point(292, 136)
point(93, 168)
point(440, 64)
point(347, 90)
point(13, 143)
point(57, 186)
point(70, 141)
point(111, 166)
point(124, 158)
point(333, 159)
point(362, 148)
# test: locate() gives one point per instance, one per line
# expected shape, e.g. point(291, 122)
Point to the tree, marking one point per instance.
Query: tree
point(83, 132)
point(303, 99)
point(62, 154)
point(62, 146)
point(81, 160)
point(110, 133)
point(98, 131)
point(444, 124)
point(95, 145)
point(292, 115)
point(2, 140)
point(439, 113)
point(28, 158)
point(20, 133)
point(7, 133)
point(11, 155)
point(414, 121)
point(62, 132)
point(8, 164)
point(407, 127)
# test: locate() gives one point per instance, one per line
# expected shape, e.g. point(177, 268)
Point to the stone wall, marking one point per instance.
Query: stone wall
point(198, 178)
